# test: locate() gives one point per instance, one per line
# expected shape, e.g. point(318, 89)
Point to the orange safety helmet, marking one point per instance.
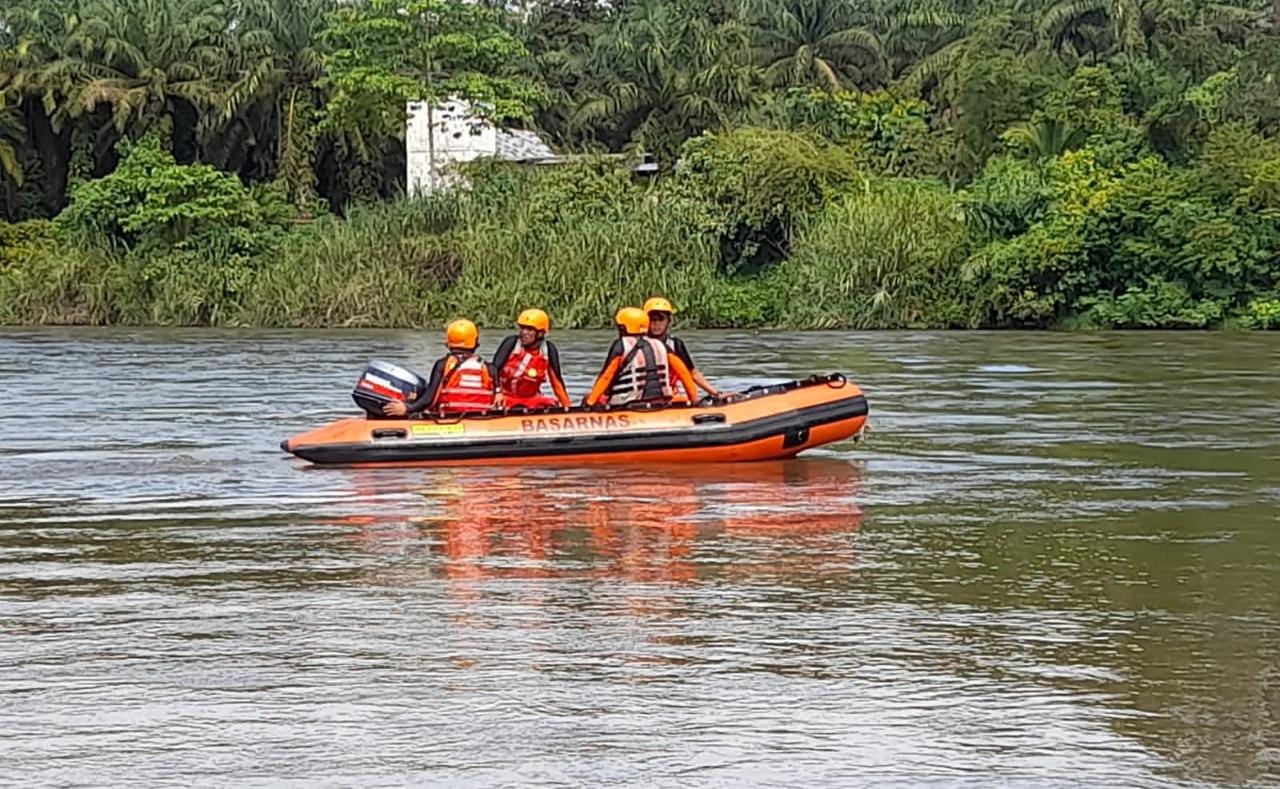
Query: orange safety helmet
point(462, 334)
point(659, 304)
point(632, 320)
point(534, 319)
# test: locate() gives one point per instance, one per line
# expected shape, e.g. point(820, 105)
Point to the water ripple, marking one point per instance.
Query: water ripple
point(1054, 562)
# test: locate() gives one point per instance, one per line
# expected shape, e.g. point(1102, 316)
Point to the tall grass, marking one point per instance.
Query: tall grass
point(579, 243)
point(383, 266)
point(887, 255)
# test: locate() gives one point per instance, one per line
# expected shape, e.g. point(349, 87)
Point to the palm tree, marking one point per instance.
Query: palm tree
point(916, 30)
point(35, 32)
point(11, 129)
point(827, 43)
point(274, 98)
point(1044, 138)
point(560, 37)
point(931, 38)
point(145, 62)
point(1094, 27)
point(12, 135)
point(664, 75)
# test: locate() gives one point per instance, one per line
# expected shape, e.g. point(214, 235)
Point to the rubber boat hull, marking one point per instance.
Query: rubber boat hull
point(770, 422)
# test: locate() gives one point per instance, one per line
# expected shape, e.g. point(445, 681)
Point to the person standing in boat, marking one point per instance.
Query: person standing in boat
point(460, 382)
point(527, 359)
point(638, 367)
point(660, 312)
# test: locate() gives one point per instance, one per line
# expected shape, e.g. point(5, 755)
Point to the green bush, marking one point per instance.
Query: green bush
point(1262, 313)
point(152, 201)
point(1141, 244)
point(589, 190)
point(1156, 303)
point(889, 135)
point(1007, 199)
point(24, 240)
point(750, 186)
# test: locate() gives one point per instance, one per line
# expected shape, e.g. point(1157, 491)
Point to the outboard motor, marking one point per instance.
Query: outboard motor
point(382, 382)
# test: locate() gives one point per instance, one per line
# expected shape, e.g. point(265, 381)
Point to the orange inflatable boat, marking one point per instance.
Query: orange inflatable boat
point(767, 422)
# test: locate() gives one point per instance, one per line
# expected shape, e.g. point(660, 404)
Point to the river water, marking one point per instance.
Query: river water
point(1055, 559)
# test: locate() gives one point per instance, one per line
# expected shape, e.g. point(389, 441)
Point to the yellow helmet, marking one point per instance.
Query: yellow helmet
point(659, 304)
point(462, 334)
point(632, 320)
point(536, 319)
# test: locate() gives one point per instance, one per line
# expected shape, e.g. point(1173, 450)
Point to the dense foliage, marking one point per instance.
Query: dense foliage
point(1041, 163)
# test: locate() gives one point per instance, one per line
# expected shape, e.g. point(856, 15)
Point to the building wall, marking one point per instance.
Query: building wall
point(459, 136)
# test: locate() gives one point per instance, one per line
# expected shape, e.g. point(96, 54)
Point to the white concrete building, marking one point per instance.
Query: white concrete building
point(451, 134)
point(460, 136)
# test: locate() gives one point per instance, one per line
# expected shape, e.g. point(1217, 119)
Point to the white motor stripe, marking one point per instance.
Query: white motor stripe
point(373, 379)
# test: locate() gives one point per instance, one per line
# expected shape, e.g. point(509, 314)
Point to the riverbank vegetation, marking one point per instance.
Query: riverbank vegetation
point(902, 163)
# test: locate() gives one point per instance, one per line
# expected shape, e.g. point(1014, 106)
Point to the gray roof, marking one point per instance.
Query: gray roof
point(519, 145)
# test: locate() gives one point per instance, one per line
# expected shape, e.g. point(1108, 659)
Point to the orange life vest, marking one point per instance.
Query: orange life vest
point(643, 374)
point(467, 385)
point(524, 372)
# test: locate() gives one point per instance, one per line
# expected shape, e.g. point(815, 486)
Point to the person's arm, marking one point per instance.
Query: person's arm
point(424, 400)
point(686, 378)
point(682, 351)
point(611, 364)
point(557, 380)
point(427, 400)
point(503, 353)
point(701, 380)
point(500, 358)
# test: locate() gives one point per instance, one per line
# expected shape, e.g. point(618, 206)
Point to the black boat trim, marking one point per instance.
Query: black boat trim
point(788, 424)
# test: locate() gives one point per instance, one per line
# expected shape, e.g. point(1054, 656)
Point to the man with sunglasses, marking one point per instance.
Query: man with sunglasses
point(660, 314)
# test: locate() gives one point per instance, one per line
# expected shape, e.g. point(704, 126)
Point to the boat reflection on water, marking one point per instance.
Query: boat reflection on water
point(675, 523)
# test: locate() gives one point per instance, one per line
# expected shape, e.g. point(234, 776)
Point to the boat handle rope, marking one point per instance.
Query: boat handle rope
point(833, 380)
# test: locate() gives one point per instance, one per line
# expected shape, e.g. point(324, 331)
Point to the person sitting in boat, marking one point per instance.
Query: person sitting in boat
point(527, 359)
point(638, 367)
point(460, 382)
point(660, 313)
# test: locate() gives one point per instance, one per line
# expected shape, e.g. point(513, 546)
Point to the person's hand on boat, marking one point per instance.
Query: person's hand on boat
point(395, 408)
point(500, 402)
point(718, 398)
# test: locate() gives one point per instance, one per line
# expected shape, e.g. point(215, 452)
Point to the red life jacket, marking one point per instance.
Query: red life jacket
point(524, 372)
point(467, 385)
point(643, 374)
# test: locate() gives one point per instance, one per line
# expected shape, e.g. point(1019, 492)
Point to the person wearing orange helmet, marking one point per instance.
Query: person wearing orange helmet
point(638, 367)
point(527, 359)
point(460, 381)
point(660, 312)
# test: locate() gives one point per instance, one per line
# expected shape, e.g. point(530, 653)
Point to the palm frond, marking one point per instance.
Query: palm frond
point(857, 37)
point(828, 73)
point(934, 65)
point(1063, 13)
point(926, 18)
point(9, 164)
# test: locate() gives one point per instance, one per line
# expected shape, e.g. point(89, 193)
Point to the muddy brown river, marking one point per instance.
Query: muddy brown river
point(1054, 560)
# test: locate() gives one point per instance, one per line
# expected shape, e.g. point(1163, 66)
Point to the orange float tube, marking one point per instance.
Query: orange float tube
point(768, 422)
